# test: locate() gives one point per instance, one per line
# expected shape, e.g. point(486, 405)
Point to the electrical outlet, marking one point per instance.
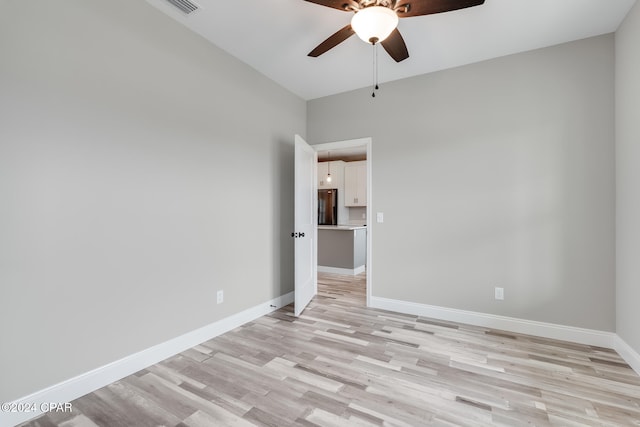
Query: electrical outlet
point(220, 297)
point(499, 293)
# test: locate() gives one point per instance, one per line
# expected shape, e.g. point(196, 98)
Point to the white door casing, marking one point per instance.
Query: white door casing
point(305, 224)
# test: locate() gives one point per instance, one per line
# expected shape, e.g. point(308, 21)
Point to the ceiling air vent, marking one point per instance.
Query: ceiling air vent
point(185, 6)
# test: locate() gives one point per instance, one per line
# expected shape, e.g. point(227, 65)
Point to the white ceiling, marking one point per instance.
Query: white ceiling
point(274, 37)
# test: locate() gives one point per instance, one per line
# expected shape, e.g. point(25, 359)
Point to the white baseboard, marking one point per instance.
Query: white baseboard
point(76, 387)
point(628, 353)
point(529, 327)
point(347, 271)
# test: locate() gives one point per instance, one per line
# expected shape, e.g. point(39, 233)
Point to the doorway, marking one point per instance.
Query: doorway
point(355, 150)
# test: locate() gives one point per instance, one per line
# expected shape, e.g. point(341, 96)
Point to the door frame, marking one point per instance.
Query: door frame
point(350, 143)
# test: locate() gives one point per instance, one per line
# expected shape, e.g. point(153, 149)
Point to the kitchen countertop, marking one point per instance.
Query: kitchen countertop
point(341, 227)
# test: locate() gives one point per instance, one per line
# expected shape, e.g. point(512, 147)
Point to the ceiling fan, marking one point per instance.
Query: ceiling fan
point(375, 21)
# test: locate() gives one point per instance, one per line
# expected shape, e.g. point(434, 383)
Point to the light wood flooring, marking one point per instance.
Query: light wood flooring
point(342, 364)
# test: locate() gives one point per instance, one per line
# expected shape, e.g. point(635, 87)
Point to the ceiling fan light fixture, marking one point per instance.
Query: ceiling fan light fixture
point(374, 24)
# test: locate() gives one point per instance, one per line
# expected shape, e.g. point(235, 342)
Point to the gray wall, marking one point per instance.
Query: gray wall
point(141, 170)
point(499, 173)
point(628, 179)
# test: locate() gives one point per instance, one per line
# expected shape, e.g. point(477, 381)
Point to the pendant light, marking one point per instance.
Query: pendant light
point(329, 166)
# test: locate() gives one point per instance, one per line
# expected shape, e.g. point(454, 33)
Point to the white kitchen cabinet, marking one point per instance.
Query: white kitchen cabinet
point(355, 184)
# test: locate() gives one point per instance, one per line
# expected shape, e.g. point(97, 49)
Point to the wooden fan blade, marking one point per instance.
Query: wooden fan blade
point(334, 4)
point(334, 40)
point(395, 46)
point(409, 8)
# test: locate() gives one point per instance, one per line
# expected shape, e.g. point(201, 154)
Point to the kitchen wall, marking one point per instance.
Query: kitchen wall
point(628, 179)
point(499, 173)
point(357, 215)
point(141, 170)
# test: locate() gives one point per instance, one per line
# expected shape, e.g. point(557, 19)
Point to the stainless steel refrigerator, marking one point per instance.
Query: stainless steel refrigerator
point(328, 207)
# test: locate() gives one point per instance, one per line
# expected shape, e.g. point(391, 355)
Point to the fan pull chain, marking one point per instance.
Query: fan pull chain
point(375, 70)
point(376, 53)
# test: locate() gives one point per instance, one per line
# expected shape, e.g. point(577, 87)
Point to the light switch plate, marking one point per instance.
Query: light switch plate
point(380, 217)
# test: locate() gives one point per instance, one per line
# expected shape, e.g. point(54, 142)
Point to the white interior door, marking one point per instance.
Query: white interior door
point(305, 230)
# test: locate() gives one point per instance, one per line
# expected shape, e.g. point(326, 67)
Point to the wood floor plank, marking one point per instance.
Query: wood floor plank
point(343, 364)
point(220, 417)
point(79, 421)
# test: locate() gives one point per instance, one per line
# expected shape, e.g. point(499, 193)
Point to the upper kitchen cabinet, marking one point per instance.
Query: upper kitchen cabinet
point(337, 174)
point(355, 184)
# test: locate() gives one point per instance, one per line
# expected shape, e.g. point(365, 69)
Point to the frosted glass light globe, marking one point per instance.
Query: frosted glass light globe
point(374, 24)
